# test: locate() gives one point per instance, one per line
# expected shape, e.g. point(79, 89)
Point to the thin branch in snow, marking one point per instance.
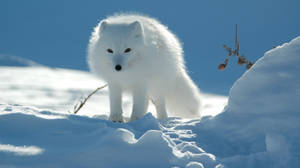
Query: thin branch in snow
point(79, 105)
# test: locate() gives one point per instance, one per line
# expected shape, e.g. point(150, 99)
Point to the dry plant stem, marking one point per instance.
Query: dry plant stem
point(241, 59)
point(78, 107)
point(235, 52)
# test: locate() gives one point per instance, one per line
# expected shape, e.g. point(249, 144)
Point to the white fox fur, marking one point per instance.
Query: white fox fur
point(138, 54)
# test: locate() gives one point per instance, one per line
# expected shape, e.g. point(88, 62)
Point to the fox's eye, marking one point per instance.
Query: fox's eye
point(127, 50)
point(110, 50)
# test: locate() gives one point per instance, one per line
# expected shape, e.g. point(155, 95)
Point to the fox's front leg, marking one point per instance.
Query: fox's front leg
point(115, 101)
point(140, 103)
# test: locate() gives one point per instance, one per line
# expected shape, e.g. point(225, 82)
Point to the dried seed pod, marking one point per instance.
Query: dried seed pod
point(226, 61)
point(241, 61)
point(222, 67)
point(249, 65)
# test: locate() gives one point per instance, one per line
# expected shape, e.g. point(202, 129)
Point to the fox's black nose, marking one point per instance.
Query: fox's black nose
point(118, 67)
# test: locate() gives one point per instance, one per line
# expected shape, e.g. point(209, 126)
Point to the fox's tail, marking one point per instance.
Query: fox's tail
point(184, 98)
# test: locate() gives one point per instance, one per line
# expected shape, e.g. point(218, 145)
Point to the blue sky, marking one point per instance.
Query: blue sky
point(56, 33)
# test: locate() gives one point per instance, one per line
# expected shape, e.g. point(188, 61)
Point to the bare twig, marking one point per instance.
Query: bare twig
point(77, 107)
point(235, 52)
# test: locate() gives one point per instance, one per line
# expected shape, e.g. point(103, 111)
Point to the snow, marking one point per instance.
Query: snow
point(36, 138)
point(259, 127)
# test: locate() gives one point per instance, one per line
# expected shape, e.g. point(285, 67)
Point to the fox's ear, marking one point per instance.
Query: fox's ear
point(103, 26)
point(137, 29)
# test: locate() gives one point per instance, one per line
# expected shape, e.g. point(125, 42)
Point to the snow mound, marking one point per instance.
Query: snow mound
point(8, 60)
point(272, 85)
point(30, 137)
point(266, 101)
point(260, 125)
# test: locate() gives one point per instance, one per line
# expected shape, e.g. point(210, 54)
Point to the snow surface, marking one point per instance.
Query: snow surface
point(259, 127)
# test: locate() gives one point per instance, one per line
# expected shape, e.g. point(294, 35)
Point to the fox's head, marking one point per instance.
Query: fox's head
point(119, 43)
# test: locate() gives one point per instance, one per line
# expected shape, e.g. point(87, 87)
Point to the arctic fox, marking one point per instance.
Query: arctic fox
point(138, 54)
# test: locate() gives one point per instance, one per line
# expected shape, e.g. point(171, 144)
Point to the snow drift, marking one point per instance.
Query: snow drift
point(34, 138)
point(260, 125)
point(265, 104)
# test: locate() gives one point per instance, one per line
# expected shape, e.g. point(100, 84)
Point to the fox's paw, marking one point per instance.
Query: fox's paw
point(116, 118)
